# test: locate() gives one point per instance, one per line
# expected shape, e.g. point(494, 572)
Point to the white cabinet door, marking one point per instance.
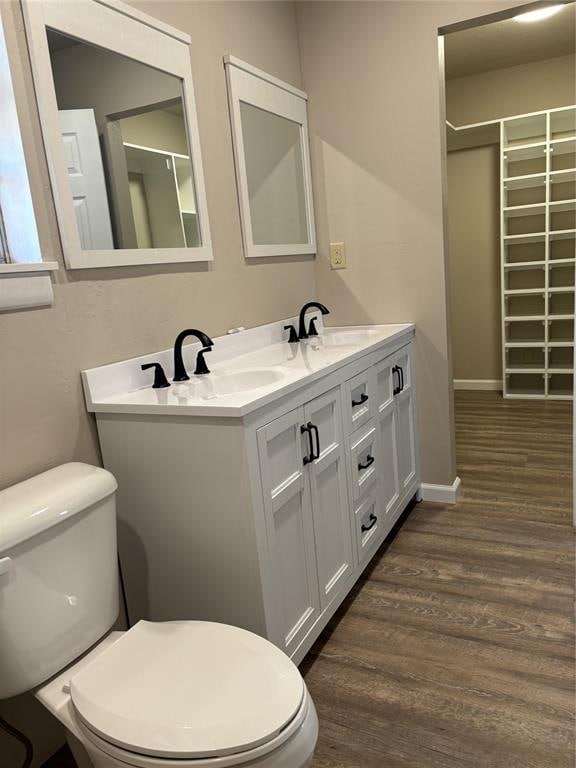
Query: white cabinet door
point(328, 485)
point(290, 529)
point(386, 426)
point(405, 418)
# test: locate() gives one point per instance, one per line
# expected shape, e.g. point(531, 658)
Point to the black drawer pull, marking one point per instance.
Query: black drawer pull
point(363, 398)
point(369, 462)
point(373, 520)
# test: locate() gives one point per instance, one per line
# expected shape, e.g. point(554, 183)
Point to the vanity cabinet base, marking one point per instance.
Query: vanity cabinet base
point(266, 521)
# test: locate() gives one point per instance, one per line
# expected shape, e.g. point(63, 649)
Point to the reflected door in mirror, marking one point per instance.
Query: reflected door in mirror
point(126, 146)
point(86, 174)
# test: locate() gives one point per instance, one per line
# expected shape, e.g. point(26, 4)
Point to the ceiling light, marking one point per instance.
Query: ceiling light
point(539, 14)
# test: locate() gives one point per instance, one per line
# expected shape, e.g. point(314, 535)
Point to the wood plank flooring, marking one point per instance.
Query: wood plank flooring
point(456, 648)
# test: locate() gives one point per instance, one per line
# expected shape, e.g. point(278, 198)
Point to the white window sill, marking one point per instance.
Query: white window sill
point(32, 266)
point(26, 286)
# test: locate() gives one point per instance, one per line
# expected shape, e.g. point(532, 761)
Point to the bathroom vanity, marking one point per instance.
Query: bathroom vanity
point(256, 495)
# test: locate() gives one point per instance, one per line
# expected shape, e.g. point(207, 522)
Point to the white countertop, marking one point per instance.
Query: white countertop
point(247, 371)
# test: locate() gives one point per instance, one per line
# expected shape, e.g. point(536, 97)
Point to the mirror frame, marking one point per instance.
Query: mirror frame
point(253, 86)
point(118, 27)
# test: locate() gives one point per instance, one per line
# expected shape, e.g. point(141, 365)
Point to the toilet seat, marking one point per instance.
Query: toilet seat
point(188, 690)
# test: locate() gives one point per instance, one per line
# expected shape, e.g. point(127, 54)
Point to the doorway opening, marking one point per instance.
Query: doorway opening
point(510, 93)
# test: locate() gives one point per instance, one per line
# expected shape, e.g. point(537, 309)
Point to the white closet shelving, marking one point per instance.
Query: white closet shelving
point(538, 253)
point(169, 215)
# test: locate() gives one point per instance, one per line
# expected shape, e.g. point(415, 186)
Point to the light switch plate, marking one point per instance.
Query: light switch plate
point(337, 256)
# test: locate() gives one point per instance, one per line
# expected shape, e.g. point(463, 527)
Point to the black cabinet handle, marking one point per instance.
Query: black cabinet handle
point(311, 429)
point(400, 371)
point(369, 462)
point(317, 435)
point(363, 398)
point(373, 520)
point(307, 429)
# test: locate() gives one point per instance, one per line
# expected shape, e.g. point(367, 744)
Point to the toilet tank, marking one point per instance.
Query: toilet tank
point(58, 572)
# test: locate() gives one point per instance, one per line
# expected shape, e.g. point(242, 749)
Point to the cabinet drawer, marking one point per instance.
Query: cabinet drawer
point(369, 526)
point(359, 400)
point(363, 459)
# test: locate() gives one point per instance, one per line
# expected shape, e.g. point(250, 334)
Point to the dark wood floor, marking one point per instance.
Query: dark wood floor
point(456, 648)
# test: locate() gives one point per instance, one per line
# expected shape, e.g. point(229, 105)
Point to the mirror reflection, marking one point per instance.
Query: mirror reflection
point(126, 148)
point(275, 176)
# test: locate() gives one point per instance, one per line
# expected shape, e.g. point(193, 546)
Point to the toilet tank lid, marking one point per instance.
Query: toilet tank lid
point(34, 505)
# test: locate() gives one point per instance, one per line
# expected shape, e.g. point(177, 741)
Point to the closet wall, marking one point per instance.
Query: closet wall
point(473, 203)
point(474, 226)
point(544, 84)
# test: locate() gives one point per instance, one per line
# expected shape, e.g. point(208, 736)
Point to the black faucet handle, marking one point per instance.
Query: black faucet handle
point(201, 367)
point(312, 330)
point(160, 380)
point(293, 338)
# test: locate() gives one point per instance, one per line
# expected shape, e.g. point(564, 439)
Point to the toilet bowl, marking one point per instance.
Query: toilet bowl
point(175, 713)
point(181, 694)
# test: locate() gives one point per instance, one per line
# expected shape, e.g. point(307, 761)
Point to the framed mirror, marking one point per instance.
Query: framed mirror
point(272, 156)
point(116, 100)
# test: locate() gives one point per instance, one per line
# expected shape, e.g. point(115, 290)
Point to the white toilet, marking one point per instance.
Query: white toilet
point(176, 694)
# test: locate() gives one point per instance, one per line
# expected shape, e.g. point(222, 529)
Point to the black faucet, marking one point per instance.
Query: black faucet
point(302, 332)
point(179, 368)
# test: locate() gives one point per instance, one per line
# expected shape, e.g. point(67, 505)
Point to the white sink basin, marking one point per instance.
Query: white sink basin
point(219, 384)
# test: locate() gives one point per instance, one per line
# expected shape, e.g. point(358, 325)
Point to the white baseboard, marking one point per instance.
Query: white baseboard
point(441, 494)
point(492, 384)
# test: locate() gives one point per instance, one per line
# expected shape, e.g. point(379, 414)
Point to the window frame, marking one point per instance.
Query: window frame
point(21, 250)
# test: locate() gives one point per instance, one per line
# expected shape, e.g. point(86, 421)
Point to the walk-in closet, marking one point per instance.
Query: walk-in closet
point(511, 167)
